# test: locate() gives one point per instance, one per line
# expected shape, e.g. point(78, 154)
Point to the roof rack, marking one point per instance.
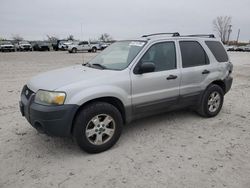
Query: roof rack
point(200, 35)
point(175, 34)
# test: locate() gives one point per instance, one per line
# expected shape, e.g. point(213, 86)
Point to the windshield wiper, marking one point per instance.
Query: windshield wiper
point(94, 64)
point(99, 65)
point(86, 64)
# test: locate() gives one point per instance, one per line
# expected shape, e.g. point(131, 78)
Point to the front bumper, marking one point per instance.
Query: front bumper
point(7, 49)
point(25, 48)
point(52, 120)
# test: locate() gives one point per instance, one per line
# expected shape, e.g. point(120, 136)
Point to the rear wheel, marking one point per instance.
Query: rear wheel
point(98, 127)
point(212, 101)
point(94, 49)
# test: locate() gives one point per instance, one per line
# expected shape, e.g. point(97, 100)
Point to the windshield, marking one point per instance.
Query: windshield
point(5, 42)
point(24, 42)
point(118, 55)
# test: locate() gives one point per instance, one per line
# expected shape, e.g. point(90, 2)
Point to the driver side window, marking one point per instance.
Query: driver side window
point(163, 55)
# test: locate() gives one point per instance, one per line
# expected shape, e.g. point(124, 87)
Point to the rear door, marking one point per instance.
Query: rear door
point(195, 69)
point(156, 91)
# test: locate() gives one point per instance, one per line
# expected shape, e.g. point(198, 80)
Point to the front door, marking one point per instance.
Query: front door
point(158, 90)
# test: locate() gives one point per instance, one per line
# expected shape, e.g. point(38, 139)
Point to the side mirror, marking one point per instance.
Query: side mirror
point(146, 67)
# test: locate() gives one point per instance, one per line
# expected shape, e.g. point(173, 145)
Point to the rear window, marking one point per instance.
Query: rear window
point(218, 50)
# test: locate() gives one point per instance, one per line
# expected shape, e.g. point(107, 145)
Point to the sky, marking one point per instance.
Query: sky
point(87, 19)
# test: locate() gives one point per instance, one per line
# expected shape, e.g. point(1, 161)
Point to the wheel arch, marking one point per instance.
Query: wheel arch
point(108, 99)
point(220, 83)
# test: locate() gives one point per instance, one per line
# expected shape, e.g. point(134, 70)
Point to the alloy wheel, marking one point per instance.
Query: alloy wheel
point(100, 129)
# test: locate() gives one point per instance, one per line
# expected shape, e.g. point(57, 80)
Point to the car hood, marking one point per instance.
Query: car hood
point(25, 45)
point(58, 78)
point(7, 45)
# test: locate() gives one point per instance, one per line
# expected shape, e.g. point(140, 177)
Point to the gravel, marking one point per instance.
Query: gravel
point(176, 149)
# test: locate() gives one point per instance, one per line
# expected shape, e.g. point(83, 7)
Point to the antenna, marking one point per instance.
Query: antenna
point(82, 40)
point(238, 35)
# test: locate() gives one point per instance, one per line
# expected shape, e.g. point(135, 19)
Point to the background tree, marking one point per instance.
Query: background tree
point(70, 37)
point(1, 38)
point(105, 37)
point(17, 38)
point(221, 25)
point(52, 38)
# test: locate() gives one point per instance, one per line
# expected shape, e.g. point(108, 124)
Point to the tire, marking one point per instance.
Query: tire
point(94, 49)
point(97, 112)
point(212, 101)
point(74, 50)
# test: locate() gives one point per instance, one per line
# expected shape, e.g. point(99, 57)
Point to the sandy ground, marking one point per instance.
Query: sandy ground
point(177, 149)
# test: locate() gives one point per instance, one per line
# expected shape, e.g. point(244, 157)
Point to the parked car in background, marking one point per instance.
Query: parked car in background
point(246, 48)
point(6, 46)
point(41, 46)
point(83, 46)
point(230, 48)
point(23, 46)
point(239, 49)
point(103, 45)
point(63, 45)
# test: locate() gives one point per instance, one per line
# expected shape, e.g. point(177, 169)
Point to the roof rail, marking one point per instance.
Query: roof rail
point(200, 35)
point(175, 34)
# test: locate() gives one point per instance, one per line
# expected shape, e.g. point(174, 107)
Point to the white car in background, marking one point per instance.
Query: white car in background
point(6, 46)
point(83, 46)
point(23, 46)
point(246, 48)
point(63, 45)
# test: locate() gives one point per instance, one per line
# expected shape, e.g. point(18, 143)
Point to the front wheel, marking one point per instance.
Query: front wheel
point(212, 101)
point(98, 127)
point(74, 50)
point(94, 49)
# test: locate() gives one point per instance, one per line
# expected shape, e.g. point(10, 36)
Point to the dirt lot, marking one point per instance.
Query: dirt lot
point(178, 149)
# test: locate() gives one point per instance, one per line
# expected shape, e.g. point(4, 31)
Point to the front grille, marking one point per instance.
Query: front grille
point(27, 92)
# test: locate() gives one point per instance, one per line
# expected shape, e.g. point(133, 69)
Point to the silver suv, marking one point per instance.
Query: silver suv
point(128, 80)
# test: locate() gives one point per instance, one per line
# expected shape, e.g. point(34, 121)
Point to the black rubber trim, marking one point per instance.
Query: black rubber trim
point(228, 83)
point(52, 120)
point(165, 105)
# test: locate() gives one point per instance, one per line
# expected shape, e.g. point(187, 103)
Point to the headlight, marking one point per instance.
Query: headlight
point(50, 97)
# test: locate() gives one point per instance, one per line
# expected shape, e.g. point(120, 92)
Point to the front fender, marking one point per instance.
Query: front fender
point(88, 94)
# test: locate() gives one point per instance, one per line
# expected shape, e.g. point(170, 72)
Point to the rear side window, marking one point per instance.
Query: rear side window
point(218, 50)
point(192, 54)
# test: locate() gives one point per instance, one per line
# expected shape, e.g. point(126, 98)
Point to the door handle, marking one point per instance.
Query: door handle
point(171, 77)
point(205, 72)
